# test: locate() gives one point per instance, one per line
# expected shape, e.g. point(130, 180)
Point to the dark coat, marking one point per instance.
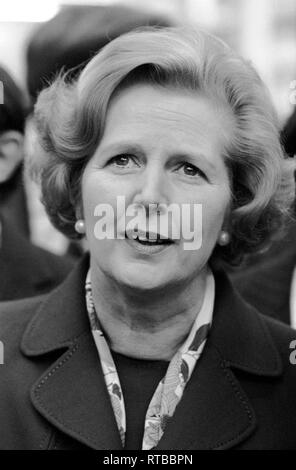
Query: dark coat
point(267, 284)
point(241, 395)
point(25, 269)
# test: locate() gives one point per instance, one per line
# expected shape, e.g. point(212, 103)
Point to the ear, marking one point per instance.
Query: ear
point(11, 153)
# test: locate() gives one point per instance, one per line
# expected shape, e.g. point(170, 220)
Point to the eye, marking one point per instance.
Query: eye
point(123, 161)
point(192, 170)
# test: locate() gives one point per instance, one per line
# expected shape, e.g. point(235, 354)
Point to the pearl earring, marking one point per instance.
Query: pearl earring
point(224, 238)
point(80, 226)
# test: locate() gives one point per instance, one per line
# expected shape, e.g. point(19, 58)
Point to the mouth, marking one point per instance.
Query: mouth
point(149, 238)
point(148, 242)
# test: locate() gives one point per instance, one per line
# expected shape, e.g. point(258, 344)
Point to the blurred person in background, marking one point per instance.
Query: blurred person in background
point(68, 41)
point(269, 282)
point(25, 269)
point(13, 112)
point(146, 345)
point(75, 35)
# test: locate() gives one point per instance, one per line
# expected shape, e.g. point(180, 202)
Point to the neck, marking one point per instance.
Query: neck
point(147, 325)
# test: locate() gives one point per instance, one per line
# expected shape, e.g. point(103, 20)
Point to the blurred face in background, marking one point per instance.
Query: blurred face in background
point(160, 146)
point(13, 111)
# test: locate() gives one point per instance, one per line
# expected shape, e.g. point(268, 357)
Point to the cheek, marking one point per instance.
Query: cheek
point(89, 203)
point(102, 187)
point(99, 189)
point(215, 208)
point(91, 196)
point(95, 190)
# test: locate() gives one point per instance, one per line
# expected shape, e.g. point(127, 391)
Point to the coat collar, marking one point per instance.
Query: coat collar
point(204, 418)
point(239, 332)
point(61, 318)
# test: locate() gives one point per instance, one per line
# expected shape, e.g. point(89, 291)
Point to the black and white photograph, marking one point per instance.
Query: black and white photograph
point(147, 228)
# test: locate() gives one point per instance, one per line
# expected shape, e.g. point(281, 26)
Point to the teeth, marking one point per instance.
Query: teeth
point(144, 239)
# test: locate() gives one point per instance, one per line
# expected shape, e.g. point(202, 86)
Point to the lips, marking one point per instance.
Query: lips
point(148, 238)
point(147, 243)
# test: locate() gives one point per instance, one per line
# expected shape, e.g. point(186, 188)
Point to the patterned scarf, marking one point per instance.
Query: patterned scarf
point(171, 388)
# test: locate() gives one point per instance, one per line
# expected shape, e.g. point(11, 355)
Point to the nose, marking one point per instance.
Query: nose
point(152, 187)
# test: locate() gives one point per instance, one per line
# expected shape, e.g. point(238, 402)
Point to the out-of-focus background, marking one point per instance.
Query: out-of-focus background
point(263, 31)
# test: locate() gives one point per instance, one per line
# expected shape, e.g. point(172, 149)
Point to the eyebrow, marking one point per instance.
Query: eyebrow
point(131, 147)
point(122, 147)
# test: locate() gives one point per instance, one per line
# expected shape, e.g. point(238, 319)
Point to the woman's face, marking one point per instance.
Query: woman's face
point(165, 146)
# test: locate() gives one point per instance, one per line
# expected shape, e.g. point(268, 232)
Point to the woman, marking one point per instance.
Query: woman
point(146, 345)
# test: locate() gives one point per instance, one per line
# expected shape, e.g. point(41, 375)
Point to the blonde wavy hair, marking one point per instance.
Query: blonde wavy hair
point(70, 118)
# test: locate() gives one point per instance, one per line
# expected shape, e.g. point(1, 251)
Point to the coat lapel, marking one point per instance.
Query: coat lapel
point(214, 412)
point(72, 395)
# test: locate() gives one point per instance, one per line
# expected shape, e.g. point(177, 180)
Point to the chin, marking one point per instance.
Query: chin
point(142, 279)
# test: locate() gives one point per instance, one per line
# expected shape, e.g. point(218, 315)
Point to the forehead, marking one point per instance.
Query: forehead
point(169, 115)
